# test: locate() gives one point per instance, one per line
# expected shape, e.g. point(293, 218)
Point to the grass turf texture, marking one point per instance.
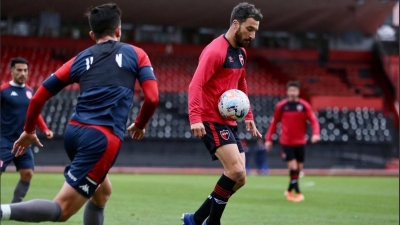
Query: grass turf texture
point(161, 199)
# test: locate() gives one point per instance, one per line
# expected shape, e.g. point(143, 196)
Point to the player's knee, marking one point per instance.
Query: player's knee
point(102, 195)
point(292, 165)
point(101, 200)
point(26, 175)
point(241, 181)
point(65, 215)
point(236, 173)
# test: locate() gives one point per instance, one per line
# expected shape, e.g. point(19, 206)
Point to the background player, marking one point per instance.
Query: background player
point(293, 114)
point(260, 156)
point(94, 135)
point(15, 97)
point(222, 67)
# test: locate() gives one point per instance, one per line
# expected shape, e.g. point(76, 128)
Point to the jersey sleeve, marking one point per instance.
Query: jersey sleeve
point(2, 87)
point(42, 125)
point(210, 60)
point(135, 60)
point(276, 118)
point(149, 105)
point(60, 79)
point(145, 70)
point(50, 87)
point(312, 118)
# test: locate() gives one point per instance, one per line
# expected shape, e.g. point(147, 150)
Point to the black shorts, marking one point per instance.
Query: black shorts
point(218, 135)
point(293, 152)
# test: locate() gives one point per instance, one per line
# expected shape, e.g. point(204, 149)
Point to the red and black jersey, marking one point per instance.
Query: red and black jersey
point(293, 117)
point(221, 67)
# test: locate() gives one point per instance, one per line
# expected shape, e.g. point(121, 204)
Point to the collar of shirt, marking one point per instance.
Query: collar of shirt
point(12, 83)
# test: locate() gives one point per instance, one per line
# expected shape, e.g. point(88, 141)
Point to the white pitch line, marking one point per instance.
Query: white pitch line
point(309, 184)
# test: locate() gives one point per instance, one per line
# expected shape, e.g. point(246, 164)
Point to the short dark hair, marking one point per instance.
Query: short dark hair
point(245, 10)
point(104, 19)
point(18, 60)
point(293, 83)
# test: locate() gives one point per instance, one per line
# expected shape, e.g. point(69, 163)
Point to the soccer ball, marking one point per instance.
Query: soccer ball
point(233, 105)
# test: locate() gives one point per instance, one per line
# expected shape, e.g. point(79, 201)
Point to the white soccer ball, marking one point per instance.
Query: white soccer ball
point(233, 105)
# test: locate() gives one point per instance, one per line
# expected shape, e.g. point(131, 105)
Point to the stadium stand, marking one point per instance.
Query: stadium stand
point(267, 74)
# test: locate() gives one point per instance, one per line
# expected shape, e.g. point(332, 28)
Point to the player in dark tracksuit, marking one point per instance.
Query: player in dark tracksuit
point(15, 97)
point(293, 114)
point(106, 73)
point(222, 67)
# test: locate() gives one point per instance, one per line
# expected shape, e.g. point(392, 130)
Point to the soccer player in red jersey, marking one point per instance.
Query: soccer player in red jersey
point(106, 73)
point(15, 96)
point(293, 114)
point(222, 67)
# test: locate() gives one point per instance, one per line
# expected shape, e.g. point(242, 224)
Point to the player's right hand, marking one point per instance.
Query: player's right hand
point(198, 129)
point(23, 142)
point(268, 145)
point(136, 132)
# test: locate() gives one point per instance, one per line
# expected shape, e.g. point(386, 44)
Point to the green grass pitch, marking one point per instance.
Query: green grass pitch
point(161, 199)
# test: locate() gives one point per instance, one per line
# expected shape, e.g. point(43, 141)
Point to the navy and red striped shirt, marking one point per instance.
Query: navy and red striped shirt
point(293, 117)
point(103, 101)
point(221, 67)
point(14, 105)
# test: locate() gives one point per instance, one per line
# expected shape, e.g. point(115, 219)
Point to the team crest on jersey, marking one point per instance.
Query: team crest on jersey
point(28, 94)
point(241, 59)
point(224, 134)
point(299, 108)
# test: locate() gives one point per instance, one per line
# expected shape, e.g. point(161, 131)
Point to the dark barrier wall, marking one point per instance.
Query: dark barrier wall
point(189, 153)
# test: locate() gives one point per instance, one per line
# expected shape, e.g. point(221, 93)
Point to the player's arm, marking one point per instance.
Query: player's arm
point(249, 120)
point(272, 128)
point(210, 60)
point(43, 127)
point(314, 123)
point(149, 86)
point(50, 87)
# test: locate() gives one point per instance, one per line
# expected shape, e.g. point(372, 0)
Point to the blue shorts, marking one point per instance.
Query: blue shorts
point(218, 135)
point(92, 150)
point(25, 161)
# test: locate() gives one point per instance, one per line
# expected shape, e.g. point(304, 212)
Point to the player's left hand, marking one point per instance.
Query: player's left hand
point(251, 127)
point(136, 132)
point(49, 134)
point(315, 138)
point(23, 142)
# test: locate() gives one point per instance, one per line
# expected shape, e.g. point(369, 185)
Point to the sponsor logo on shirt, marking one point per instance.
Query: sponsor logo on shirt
point(13, 93)
point(241, 59)
point(299, 108)
point(28, 94)
point(230, 59)
point(224, 134)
